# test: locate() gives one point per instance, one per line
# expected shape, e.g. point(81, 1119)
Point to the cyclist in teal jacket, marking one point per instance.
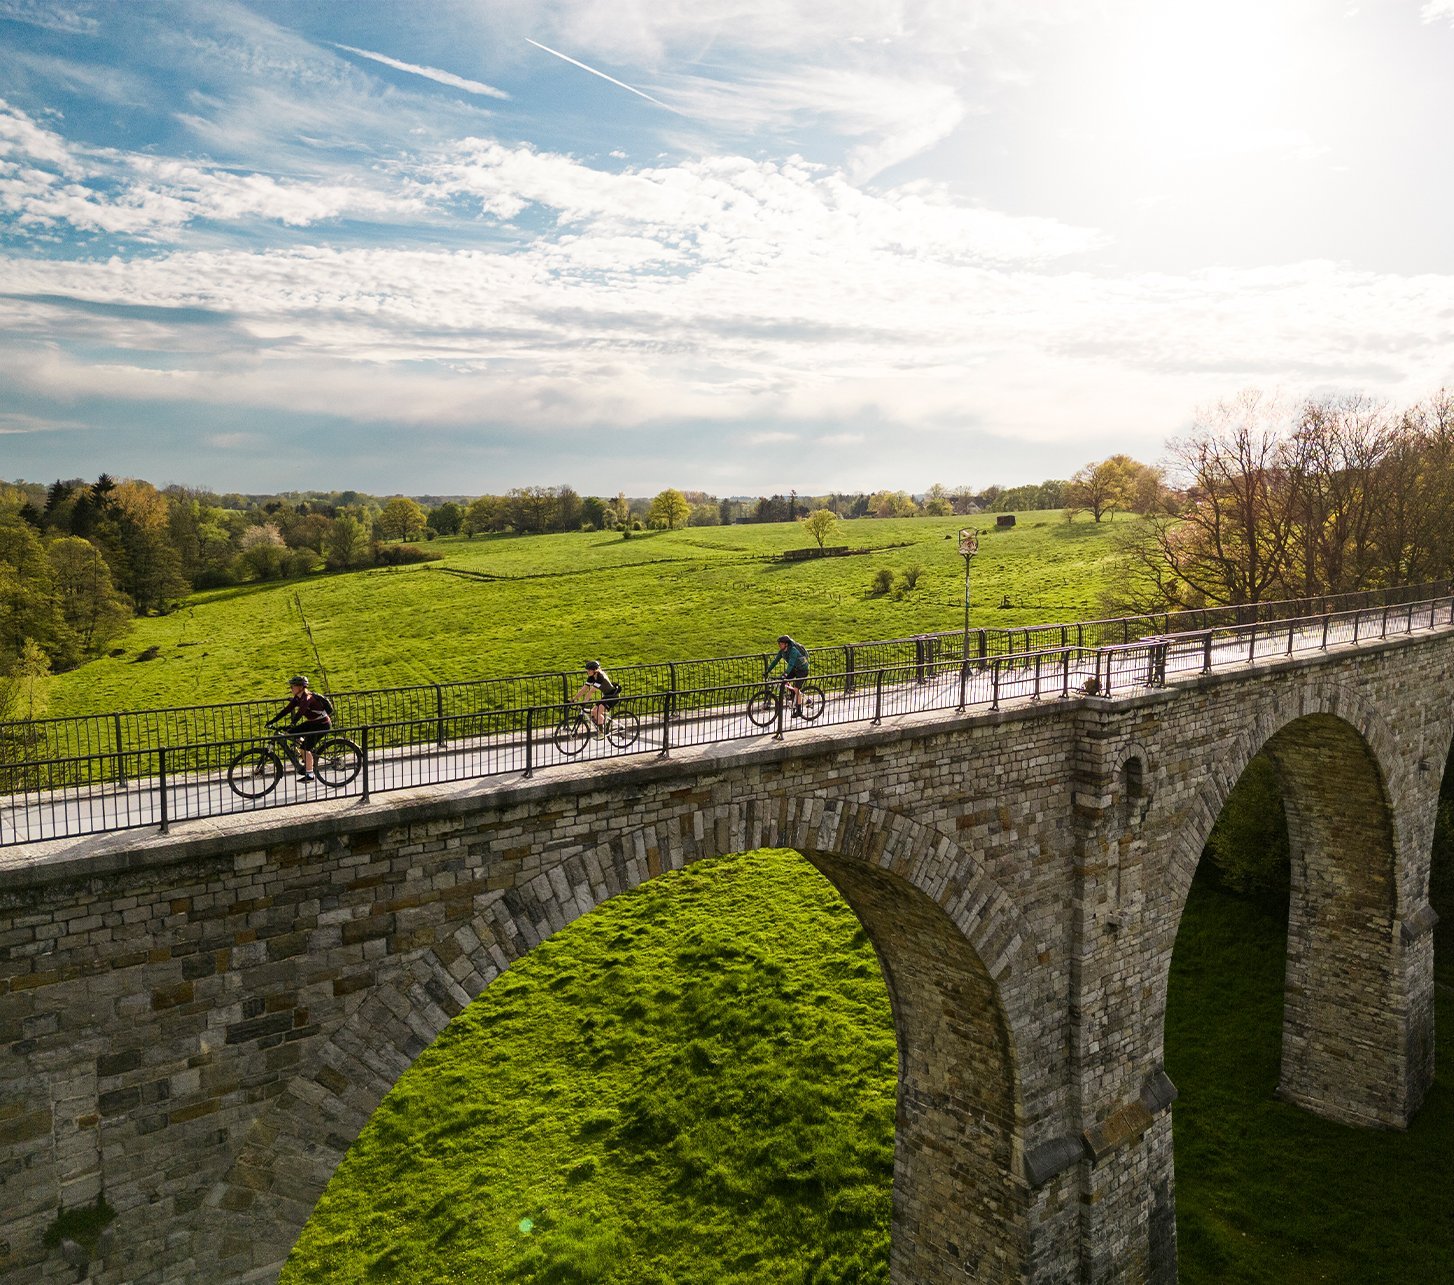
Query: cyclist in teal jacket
point(795, 658)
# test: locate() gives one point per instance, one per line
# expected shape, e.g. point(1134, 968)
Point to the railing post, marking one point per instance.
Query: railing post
point(1291, 626)
point(530, 741)
point(848, 670)
point(778, 735)
point(963, 681)
point(162, 783)
point(1357, 619)
point(1065, 674)
point(363, 744)
point(438, 714)
point(1038, 658)
point(878, 698)
point(995, 684)
point(668, 709)
point(984, 644)
point(1326, 620)
point(1207, 652)
point(1252, 644)
point(671, 683)
point(120, 753)
point(1383, 631)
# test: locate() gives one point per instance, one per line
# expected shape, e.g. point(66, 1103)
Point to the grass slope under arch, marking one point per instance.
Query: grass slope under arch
point(693, 1083)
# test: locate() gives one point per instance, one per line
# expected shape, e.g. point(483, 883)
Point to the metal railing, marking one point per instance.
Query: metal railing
point(421, 736)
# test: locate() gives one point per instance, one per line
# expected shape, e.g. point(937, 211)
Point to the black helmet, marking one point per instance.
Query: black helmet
point(783, 638)
point(298, 680)
point(593, 664)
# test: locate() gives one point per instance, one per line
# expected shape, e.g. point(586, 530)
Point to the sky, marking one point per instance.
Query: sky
point(741, 246)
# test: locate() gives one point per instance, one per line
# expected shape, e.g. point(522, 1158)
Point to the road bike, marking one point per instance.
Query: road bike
point(622, 728)
point(762, 704)
point(257, 769)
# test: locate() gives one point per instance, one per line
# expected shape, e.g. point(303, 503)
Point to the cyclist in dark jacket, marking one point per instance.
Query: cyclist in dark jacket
point(607, 694)
point(312, 716)
point(796, 660)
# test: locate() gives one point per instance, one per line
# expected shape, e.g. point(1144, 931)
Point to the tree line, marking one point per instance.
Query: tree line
point(1325, 496)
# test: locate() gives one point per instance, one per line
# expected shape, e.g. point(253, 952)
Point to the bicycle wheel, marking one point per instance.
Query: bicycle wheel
point(623, 729)
point(337, 761)
point(572, 737)
point(254, 772)
point(813, 701)
point(762, 708)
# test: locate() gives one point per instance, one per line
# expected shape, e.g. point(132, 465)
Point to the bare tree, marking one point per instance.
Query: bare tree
point(1232, 543)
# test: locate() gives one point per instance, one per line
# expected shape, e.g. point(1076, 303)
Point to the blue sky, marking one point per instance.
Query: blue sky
point(735, 245)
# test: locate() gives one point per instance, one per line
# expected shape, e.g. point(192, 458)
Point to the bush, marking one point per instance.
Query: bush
point(399, 555)
point(883, 581)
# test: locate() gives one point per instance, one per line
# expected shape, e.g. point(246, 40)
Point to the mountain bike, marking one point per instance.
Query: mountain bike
point(257, 769)
point(762, 704)
point(622, 727)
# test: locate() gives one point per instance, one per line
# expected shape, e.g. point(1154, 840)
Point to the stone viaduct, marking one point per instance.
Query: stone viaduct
point(199, 1024)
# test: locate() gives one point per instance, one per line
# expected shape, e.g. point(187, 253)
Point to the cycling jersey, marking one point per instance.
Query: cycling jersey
point(796, 659)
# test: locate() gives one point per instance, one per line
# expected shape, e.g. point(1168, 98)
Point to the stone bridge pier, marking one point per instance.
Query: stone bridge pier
point(198, 1025)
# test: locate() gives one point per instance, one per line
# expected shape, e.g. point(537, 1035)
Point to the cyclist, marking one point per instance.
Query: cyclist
point(607, 694)
point(795, 658)
point(312, 716)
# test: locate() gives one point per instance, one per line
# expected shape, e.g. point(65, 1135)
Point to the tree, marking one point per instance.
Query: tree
point(670, 509)
point(29, 608)
point(891, 504)
point(133, 530)
point(22, 684)
point(1104, 488)
point(569, 509)
point(447, 518)
point(263, 550)
point(348, 544)
point(93, 611)
point(1232, 543)
point(401, 519)
point(819, 523)
point(483, 514)
point(938, 502)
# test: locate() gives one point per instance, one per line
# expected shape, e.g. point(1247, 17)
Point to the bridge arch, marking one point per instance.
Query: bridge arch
point(957, 956)
point(1354, 1047)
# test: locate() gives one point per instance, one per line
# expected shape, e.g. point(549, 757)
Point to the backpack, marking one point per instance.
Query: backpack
point(326, 703)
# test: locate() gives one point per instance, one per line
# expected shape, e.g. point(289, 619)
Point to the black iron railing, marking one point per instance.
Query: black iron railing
point(155, 767)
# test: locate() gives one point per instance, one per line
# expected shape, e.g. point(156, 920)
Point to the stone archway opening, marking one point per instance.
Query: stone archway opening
point(723, 1049)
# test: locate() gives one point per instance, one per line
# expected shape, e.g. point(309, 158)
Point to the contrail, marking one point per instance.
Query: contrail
point(619, 83)
point(429, 73)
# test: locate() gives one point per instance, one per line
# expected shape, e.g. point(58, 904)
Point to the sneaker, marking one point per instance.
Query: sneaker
point(797, 713)
point(305, 776)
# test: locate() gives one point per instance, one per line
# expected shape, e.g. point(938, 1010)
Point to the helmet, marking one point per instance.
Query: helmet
point(298, 680)
point(593, 664)
point(783, 638)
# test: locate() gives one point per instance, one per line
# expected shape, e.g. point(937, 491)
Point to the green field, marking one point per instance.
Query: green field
point(562, 599)
point(679, 1087)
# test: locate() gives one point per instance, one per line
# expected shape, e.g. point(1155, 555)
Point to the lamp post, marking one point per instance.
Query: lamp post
point(968, 547)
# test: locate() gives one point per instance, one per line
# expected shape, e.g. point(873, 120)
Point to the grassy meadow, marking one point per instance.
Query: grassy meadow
point(500, 605)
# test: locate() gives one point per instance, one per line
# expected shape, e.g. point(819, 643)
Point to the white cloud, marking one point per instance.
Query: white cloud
point(1436, 9)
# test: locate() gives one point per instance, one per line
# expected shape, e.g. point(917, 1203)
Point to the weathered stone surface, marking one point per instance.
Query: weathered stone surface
point(199, 1024)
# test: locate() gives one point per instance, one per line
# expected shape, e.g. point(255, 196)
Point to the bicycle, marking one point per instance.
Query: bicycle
point(622, 728)
point(257, 769)
point(762, 704)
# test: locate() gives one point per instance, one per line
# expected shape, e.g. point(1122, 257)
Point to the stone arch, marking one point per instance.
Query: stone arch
point(1352, 1049)
point(958, 959)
